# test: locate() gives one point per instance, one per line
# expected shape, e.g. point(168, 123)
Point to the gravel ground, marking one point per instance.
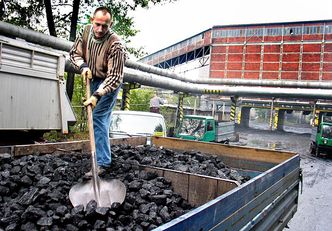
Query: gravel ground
point(315, 203)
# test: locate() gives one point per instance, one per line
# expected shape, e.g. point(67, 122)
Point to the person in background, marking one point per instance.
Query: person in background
point(100, 56)
point(155, 103)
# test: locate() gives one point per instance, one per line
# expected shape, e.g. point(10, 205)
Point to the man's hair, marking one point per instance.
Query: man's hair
point(103, 9)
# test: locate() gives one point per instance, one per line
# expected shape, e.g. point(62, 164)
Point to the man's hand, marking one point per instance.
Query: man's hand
point(86, 73)
point(92, 100)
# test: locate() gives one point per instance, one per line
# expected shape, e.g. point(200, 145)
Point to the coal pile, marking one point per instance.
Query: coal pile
point(34, 189)
point(192, 162)
point(34, 196)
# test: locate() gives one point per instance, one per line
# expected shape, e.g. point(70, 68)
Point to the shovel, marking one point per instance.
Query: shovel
point(104, 192)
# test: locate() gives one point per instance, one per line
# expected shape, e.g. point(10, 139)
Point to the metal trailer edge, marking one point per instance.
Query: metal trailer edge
point(266, 202)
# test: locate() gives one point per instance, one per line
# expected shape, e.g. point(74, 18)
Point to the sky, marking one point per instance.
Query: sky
point(163, 25)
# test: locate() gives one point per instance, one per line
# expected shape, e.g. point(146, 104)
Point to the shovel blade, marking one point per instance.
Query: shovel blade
point(111, 191)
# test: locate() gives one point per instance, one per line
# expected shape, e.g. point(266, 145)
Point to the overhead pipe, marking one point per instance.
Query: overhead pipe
point(13, 31)
point(65, 45)
point(222, 81)
point(158, 81)
point(153, 80)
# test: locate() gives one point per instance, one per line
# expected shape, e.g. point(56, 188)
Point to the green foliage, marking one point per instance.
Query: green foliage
point(262, 114)
point(77, 104)
point(30, 14)
point(188, 101)
point(140, 99)
point(169, 115)
point(123, 24)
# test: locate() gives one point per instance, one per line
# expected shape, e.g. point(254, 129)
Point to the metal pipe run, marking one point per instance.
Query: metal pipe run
point(267, 83)
point(13, 31)
point(61, 44)
point(153, 80)
point(235, 82)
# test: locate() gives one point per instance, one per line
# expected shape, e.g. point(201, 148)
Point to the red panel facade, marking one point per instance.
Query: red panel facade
point(252, 66)
point(272, 48)
point(218, 57)
point(235, 49)
point(291, 57)
point(234, 66)
point(328, 57)
point(256, 48)
point(310, 66)
point(311, 57)
point(217, 66)
point(312, 48)
point(328, 47)
point(268, 57)
point(251, 75)
point(283, 51)
point(287, 48)
point(327, 76)
point(272, 75)
point(217, 74)
point(289, 52)
point(289, 75)
point(313, 76)
point(253, 57)
point(327, 67)
point(312, 37)
point(234, 74)
point(218, 49)
point(271, 66)
point(290, 66)
point(235, 57)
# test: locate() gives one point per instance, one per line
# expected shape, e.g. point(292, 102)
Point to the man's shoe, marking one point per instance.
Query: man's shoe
point(100, 170)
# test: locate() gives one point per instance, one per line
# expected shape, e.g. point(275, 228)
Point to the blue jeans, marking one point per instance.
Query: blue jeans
point(101, 123)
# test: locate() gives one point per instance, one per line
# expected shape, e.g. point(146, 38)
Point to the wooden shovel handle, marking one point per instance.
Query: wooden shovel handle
point(90, 119)
point(95, 177)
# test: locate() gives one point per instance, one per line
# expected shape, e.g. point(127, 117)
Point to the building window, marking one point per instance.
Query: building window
point(275, 31)
point(293, 30)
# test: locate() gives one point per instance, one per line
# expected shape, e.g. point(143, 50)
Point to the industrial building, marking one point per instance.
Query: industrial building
point(298, 53)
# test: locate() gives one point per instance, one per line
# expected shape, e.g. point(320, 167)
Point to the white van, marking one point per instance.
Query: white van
point(136, 123)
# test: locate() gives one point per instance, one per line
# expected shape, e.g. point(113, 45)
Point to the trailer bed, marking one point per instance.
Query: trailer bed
point(266, 202)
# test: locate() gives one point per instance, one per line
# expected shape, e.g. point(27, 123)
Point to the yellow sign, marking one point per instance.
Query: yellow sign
point(159, 133)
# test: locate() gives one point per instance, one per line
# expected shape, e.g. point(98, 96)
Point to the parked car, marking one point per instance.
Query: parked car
point(137, 123)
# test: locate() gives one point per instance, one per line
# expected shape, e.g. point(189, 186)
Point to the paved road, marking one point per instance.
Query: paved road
point(315, 203)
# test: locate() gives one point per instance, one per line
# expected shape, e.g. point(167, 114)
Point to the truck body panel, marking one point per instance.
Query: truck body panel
point(321, 136)
point(28, 72)
point(205, 128)
point(225, 131)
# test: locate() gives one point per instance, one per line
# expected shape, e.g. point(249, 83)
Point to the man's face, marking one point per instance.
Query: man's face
point(101, 23)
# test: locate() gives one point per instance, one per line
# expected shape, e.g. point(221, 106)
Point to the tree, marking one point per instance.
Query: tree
point(50, 19)
point(140, 99)
point(65, 16)
point(27, 15)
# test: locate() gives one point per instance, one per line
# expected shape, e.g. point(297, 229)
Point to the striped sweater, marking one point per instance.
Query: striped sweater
point(105, 57)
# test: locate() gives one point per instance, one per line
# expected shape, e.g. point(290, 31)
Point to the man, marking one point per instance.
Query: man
point(155, 103)
point(100, 56)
